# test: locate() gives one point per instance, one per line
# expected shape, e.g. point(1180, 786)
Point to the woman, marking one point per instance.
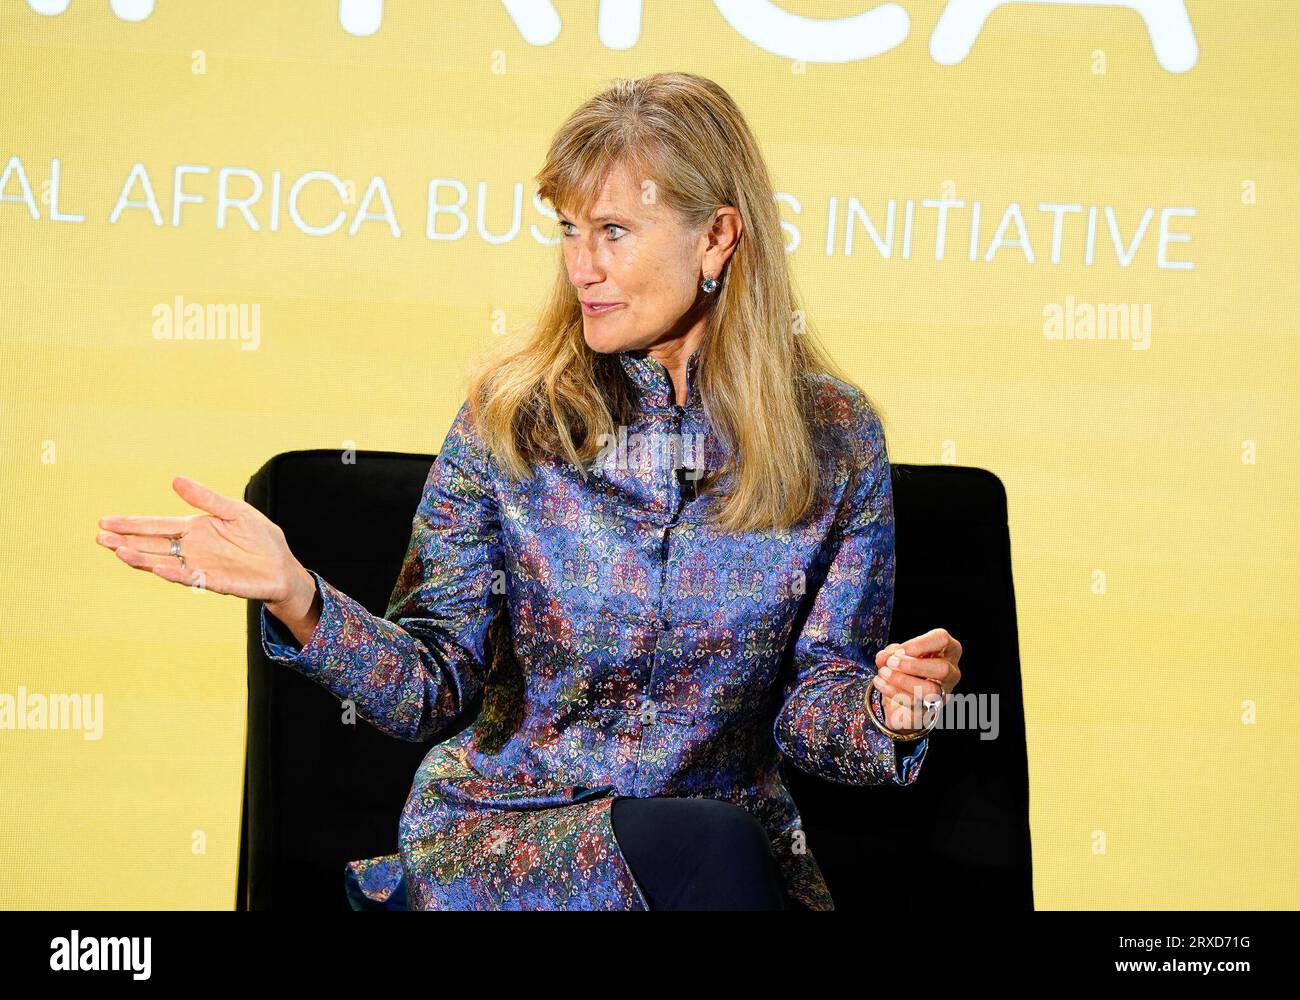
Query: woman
point(653, 622)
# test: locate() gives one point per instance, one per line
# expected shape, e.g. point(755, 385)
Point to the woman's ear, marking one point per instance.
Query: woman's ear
point(723, 235)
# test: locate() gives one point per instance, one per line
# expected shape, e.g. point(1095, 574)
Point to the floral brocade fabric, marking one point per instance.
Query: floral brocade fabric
point(623, 646)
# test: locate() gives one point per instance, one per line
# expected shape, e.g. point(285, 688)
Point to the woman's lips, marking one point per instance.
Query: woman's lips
point(599, 310)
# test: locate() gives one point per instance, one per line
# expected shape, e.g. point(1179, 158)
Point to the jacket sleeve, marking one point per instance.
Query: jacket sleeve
point(823, 725)
point(414, 671)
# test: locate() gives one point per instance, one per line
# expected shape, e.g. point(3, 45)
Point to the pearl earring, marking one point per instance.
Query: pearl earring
point(709, 285)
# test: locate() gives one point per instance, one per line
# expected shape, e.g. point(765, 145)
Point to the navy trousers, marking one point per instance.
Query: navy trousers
point(698, 854)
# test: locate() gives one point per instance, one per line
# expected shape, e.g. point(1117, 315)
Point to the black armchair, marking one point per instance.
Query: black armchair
point(318, 794)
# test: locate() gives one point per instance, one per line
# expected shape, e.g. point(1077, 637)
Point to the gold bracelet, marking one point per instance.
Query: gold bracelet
point(885, 729)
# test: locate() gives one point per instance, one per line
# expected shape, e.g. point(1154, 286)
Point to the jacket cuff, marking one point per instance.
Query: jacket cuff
point(280, 645)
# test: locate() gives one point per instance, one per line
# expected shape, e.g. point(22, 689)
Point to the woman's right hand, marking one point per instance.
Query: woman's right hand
point(232, 549)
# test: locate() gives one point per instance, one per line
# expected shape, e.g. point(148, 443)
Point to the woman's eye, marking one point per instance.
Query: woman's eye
point(609, 225)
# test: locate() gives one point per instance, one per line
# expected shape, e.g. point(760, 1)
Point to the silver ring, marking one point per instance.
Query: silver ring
point(175, 549)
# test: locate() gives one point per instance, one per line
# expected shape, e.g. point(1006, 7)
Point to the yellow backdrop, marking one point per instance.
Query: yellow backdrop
point(1111, 331)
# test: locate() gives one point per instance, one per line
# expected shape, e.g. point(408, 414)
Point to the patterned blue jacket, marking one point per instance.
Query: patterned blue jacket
point(651, 655)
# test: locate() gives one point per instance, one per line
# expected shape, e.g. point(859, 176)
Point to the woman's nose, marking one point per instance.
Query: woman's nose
point(584, 269)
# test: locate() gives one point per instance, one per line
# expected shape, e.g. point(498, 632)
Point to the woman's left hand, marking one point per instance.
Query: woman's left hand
point(910, 672)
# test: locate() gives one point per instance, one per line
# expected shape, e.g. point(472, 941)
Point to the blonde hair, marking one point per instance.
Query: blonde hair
point(550, 395)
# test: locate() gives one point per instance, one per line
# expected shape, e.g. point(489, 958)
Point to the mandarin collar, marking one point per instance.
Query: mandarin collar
point(654, 383)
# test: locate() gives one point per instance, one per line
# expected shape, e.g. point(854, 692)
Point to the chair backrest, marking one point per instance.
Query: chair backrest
point(318, 794)
point(967, 814)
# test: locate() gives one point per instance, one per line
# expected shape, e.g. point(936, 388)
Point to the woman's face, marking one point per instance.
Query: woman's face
point(639, 256)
